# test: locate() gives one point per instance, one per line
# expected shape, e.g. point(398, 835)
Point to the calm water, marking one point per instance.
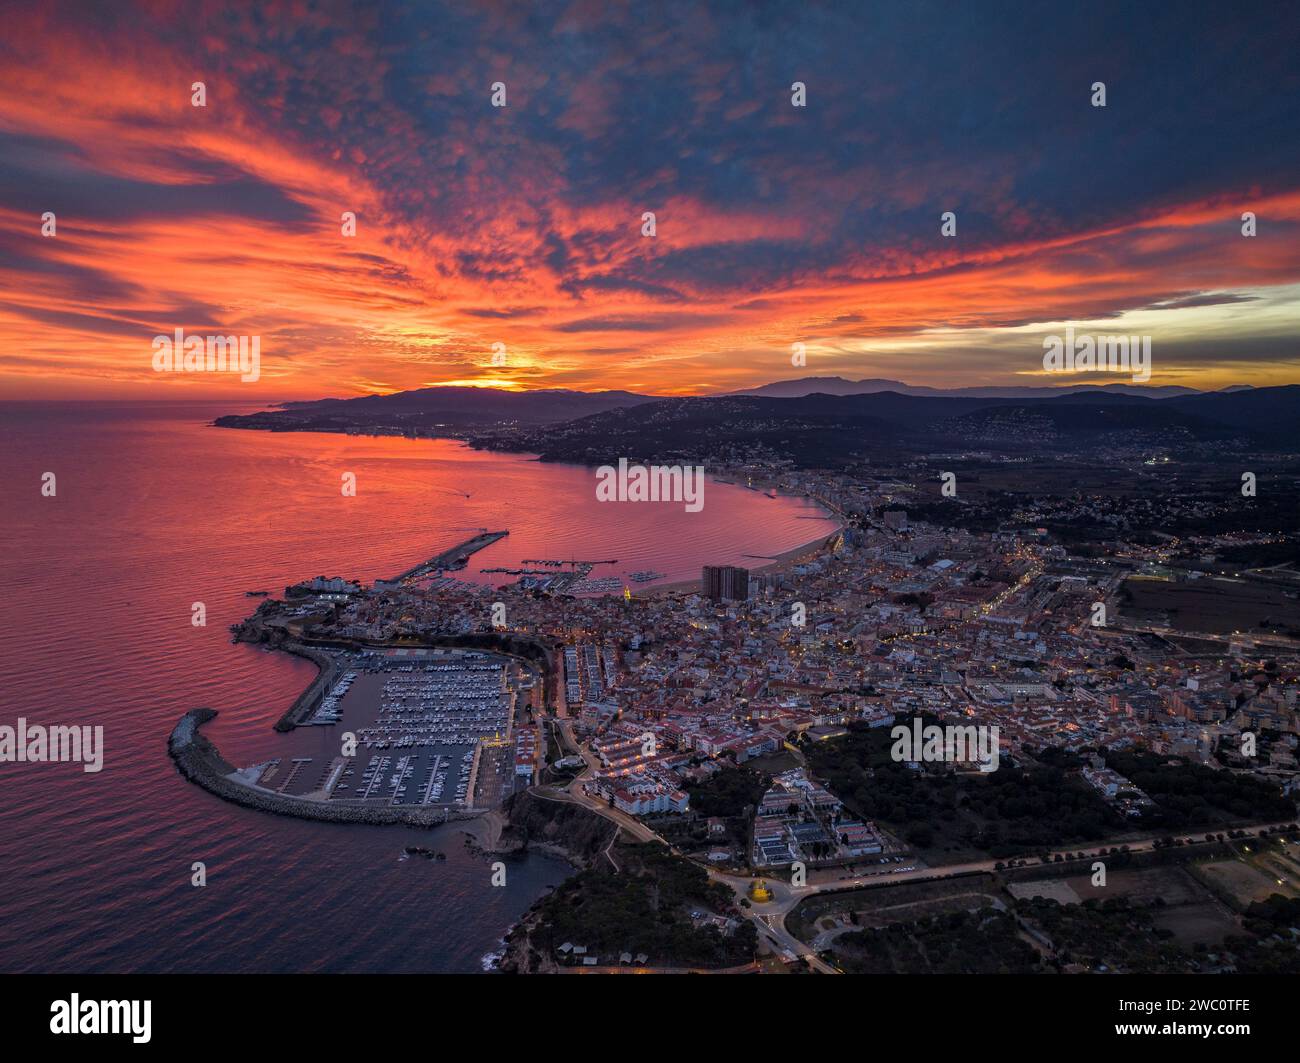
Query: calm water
point(155, 511)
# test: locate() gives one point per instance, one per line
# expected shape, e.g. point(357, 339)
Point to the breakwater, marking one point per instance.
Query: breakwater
point(309, 698)
point(199, 760)
point(455, 558)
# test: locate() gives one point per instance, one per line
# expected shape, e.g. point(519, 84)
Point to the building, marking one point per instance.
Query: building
point(526, 752)
point(725, 583)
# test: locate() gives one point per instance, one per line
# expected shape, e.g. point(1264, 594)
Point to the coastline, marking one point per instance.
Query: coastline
point(328, 671)
point(500, 831)
point(803, 552)
point(199, 761)
point(489, 833)
point(573, 835)
point(484, 832)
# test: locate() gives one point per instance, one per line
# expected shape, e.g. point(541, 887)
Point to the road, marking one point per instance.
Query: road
point(774, 932)
point(769, 917)
point(574, 792)
point(785, 897)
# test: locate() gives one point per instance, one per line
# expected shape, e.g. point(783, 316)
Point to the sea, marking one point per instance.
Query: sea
point(154, 509)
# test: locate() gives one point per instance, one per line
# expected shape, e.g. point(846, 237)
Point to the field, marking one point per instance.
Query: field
point(1216, 606)
point(1185, 907)
point(882, 905)
point(1242, 882)
point(1156, 917)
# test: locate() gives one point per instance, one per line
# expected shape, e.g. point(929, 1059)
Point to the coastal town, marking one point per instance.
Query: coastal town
point(743, 489)
point(735, 720)
point(886, 619)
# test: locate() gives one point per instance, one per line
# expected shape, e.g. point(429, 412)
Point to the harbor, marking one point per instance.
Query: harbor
point(550, 512)
point(554, 579)
point(433, 729)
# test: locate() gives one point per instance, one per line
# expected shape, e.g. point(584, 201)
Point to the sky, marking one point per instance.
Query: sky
point(522, 225)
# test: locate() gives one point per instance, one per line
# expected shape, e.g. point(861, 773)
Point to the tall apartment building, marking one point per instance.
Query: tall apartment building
point(725, 582)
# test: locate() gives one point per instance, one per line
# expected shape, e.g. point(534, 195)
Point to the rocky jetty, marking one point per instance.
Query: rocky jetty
point(199, 761)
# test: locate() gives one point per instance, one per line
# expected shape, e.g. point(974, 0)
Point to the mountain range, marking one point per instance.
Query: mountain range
point(811, 428)
point(838, 385)
point(821, 430)
point(434, 411)
point(466, 408)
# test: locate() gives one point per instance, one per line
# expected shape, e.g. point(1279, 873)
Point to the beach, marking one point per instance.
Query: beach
point(779, 563)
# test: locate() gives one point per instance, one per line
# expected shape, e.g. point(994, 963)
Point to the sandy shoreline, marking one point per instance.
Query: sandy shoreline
point(484, 830)
point(803, 552)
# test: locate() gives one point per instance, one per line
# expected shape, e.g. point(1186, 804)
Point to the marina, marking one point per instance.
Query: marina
point(605, 585)
point(429, 727)
point(577, 580)
point(575, 564)
point(248, 486)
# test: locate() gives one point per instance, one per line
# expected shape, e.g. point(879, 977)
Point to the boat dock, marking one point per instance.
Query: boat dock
point(455, 558)
point(556, 564)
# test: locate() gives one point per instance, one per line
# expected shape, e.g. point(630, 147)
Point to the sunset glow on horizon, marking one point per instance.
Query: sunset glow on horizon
point(522, 225)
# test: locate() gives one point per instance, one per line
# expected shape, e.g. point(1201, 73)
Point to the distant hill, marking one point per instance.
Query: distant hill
point(829, 430)
point(434, 411)
point(818, 428)
point(837, 385)
point(1274, 412)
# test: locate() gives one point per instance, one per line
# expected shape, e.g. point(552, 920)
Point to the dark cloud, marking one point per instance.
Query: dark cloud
point(912, 109)
point(503, 312)
point(651, 323)
point(682, 109)
point(51, 177)
point(610, 283)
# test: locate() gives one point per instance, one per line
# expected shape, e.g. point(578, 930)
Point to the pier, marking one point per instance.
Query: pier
point(455, 558)
point(575, 564)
